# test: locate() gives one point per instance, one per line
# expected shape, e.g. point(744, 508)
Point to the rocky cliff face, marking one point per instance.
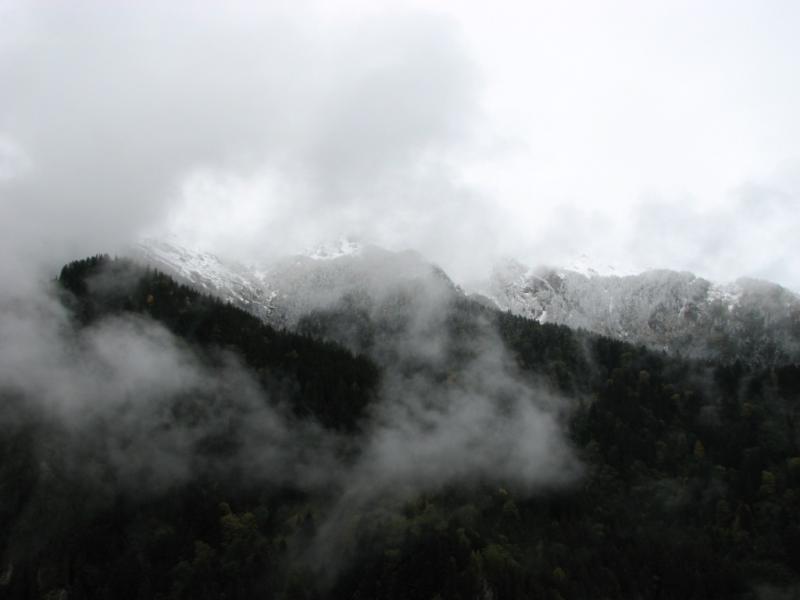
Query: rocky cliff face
point(674, 311)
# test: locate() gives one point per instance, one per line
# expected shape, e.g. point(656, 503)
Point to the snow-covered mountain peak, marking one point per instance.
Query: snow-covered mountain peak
point(582, 265)
point(728, 294)
point(669, 310)
point(345, 246)
point(208, 273)
point(285, 288)
point(590, 267)
point(664, 309)
point(184, 261)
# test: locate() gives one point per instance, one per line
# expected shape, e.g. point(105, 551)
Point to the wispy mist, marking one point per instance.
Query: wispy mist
point(122, 406)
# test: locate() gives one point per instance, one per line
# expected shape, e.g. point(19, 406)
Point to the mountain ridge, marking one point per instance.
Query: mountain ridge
point(673, 311)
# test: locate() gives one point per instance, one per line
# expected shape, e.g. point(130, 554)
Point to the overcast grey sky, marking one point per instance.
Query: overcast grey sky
point(644, 134)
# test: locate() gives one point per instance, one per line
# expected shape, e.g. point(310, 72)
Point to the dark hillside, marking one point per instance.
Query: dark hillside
point(690, 485)
point(326, 380)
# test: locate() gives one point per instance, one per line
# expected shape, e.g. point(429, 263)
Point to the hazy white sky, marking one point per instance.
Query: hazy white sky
point(644, 134)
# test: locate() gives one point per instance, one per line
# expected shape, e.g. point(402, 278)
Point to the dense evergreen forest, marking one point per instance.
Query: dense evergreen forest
point(690, 482)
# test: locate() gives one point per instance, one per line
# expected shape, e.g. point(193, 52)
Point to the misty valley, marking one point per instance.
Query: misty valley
point(397, 438)
point(399, 300)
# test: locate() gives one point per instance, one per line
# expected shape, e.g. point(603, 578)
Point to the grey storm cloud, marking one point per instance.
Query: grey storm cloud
point(263, 130)
point(114, 108)
point(749, 235)
point(109, 109)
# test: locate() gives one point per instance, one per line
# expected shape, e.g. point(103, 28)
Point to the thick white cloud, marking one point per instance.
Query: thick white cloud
point(459, 128)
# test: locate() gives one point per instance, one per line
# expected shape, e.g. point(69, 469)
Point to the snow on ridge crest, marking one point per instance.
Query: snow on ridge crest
point(663, 309)
point(729, 294)
point(345, 246)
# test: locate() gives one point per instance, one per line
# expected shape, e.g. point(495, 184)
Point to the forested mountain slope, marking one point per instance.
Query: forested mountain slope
point(544, 462)
point(322, 377)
